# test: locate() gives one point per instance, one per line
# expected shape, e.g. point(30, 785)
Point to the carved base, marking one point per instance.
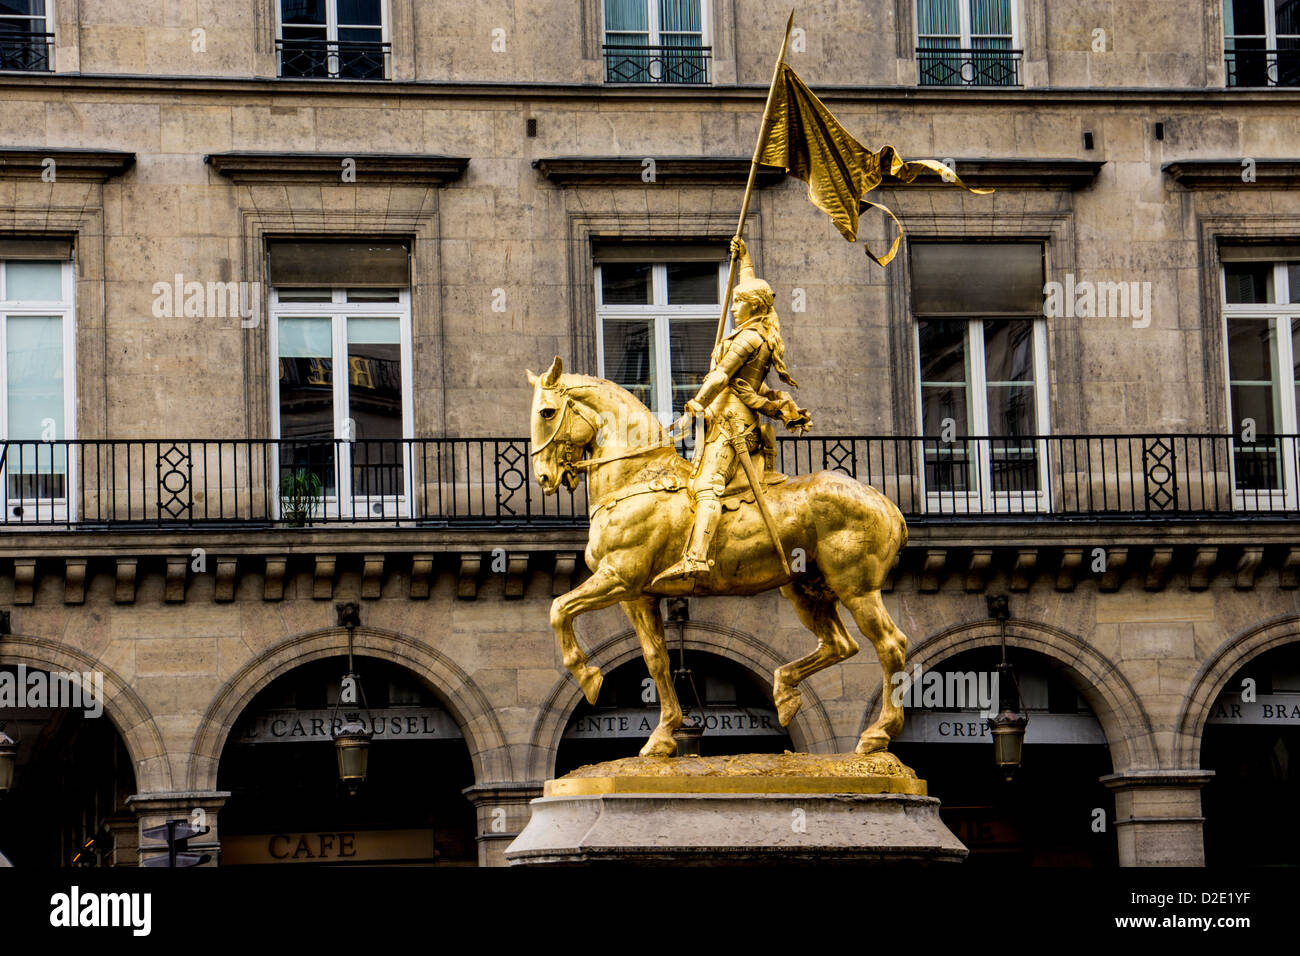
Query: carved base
point(753, 809)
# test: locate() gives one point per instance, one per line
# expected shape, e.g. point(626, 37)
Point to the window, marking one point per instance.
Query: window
point(655, 41)
point(333, 38)
point(342, 438)
point(24, 43)
point(1261, 313)
point(982, 371)
point(38, 413)
point(1261, 42)
point(967, 43)
point(656, 323)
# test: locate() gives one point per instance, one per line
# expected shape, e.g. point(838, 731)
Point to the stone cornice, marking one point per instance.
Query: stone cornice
point(173, 86)
point(327, 168)
point(1018, 173)
point(1228, 173)
point(668, 170)
point(84, 165)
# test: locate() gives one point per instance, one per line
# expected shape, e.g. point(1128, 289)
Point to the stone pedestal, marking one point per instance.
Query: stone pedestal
point(730, 811)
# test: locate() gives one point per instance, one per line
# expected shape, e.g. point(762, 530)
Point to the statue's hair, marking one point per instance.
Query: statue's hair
point(759, 294)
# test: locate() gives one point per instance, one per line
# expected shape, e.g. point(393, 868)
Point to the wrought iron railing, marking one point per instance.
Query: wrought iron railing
point(490, 482)
point(688, 65)
point(953, 66)
point(333, 59)
point(1262, 67)
point(28, 52)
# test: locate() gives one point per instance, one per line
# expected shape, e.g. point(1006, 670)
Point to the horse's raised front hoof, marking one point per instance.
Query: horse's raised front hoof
point(787, 700)
point(660, 744)
point(872, 741)
point(590, 682)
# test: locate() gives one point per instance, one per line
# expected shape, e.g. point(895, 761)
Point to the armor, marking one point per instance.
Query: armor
point(731, 398)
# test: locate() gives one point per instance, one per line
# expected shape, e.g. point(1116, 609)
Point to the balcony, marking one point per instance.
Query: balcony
point(679, 65)
point(489, 483)
point(333, 59)
point(1262, 67)
point(950, 66)
point(26, 52)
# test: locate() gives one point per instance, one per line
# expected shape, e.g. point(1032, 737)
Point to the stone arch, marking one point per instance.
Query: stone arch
point(810, 731)
point(124, 707)
point(1116, 705)
point(456, 689)
point(1228, 658)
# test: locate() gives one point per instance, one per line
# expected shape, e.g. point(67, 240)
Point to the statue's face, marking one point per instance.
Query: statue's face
point(741, 311)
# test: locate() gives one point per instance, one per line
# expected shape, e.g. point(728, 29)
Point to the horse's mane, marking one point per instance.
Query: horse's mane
point(576, 382)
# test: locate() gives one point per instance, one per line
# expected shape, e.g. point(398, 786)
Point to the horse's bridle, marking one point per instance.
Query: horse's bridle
point(566, 446)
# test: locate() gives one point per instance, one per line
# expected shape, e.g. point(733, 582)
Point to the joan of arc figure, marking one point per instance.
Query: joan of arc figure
point(733, 395)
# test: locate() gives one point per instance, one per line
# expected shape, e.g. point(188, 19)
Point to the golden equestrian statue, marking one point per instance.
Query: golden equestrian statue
point(729, 526)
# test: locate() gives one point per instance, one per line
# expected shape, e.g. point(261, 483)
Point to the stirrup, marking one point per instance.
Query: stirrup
point(685, 568)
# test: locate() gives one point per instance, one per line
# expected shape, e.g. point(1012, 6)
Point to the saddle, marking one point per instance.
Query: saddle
point(736, 493)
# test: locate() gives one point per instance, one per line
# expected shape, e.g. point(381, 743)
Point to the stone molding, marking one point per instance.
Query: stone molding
point(80, 165)
point(1227, 173)
point(386, 169)
point(669, 171)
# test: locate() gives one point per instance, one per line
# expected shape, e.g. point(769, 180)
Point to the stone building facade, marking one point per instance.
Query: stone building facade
point(479, 188)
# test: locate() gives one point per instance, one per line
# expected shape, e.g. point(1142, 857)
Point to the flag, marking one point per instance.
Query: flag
point(805, 140)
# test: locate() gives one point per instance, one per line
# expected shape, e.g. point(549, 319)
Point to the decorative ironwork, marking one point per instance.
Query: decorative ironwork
point(951, 66)
point(489, 482)
point(333, 59)
point(687, 65)
point(1262, 67)
point(27, 52)
point(1160, 469)
point(512, 475)
point(838, 455)
point(175, 472)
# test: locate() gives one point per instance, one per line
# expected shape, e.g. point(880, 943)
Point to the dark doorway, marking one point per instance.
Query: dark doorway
point(287, 804)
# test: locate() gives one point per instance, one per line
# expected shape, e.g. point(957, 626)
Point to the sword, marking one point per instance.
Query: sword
point(738, 442)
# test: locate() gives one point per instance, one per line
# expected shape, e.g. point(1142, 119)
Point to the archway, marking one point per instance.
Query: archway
point(67, 806)
point(1054, 810)
point(737, 713)
point(810, 732)
point(1251, 740)
point(287, 805)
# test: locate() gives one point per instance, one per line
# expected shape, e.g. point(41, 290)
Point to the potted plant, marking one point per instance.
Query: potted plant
point(301, 493)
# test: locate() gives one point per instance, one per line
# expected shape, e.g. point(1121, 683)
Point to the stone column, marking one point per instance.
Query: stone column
point(125, 831)
point(1158, 818)
point(502, 810)
point(155, 809)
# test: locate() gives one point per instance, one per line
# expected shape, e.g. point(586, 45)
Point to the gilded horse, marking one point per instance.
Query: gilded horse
point(845, 534)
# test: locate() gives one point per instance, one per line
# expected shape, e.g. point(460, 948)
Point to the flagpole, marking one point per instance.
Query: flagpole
point(763, 130)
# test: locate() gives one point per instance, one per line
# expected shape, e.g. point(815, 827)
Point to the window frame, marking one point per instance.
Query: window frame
point(654, 39)
point(39, 510)
point(965, 39)
point(48, 19)
point(338, 310)
point(1270, 50)
point(663, 316)
point(332, 36)
point(983, 498)
point(1278, 314)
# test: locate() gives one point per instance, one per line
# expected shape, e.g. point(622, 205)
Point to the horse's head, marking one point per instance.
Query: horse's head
point(561, 429)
